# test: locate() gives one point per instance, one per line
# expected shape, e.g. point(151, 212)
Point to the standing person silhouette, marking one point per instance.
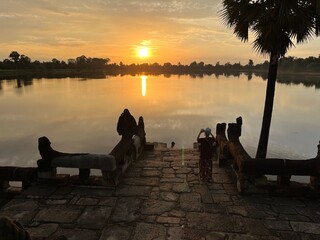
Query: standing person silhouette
point(141, 132)
point(127, 125)
point(206, 152)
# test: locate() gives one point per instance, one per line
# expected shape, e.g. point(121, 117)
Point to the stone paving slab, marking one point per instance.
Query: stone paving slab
point(161, 197)
point(58, 214)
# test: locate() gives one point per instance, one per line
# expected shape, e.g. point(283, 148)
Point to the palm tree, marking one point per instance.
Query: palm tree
point(274, 24)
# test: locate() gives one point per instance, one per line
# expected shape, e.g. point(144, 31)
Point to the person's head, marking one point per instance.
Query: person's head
point(207, 132)
point(126, 111)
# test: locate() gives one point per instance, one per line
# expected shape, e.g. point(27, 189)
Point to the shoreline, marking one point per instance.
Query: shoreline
point(73, 73)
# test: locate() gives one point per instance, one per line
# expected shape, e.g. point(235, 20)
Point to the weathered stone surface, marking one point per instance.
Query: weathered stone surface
point(143, 207)
point(214, 208)
point(141, 181)
point(154, 195)
point(77, 234)
point(150, 219)
point(116, 232)
point(237, 210)
point(305, 227)
point(42, 231)
point(150, 173)
point(216, 236)
point(56, 201)
point(165, 187)
point(216, 222)
point(177, 213)
point(87, 201)
point(284, 209)
point(221, 178)
point(254, 213)
point(168, 170)
point(169, 159)
point(257, 227)
point(126, 210)
point(40, 190)
point(94, 217)
point(289, 202)
point(193, 178)
point(261, 207)
point(108, 201)
point(155, 164)
point(220, 197)
point(91, 191)
point(156, 207)
point(131, 191)
point(169, 220)
point(193, 234)
point(246, 237)
point(295, 218)
point(175, 233)
point(215, 186)
point(190, 202)
point(169, 196)
point(148, 231)
point(19, 205)
point(278, 225)
point(290, 236)
point(204, 193)
point(310, 213)
point(134, 172)
point(181, 187)
point(63, 191)
point(171, 180)
point(230, 188)
point(184, 170)
point(20, 210)
point(168, 175)
point(58, 214)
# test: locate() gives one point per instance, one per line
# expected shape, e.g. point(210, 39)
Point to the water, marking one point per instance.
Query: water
point(80, 115)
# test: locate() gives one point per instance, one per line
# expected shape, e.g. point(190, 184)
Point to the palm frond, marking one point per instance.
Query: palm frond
point(273, 23)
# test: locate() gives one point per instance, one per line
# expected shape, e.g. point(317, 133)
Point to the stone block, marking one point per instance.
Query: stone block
point(126, 210)
point(94, 217)
point(58, 214)
point(156, 207)
point(116, 232)
point(147, 231)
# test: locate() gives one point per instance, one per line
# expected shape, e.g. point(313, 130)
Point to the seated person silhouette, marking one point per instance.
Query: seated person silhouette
point(127, 125)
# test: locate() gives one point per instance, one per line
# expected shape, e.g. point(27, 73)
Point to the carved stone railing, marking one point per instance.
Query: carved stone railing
point(26, 175)
point(247, 168)
point(111, 165)
point(222, 144)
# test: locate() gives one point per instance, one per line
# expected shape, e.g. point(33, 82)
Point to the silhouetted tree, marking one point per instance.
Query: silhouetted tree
point(274, 24)
point(14, 56)
point(24, 61)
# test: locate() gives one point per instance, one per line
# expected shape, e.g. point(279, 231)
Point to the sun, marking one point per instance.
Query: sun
point(143, 52)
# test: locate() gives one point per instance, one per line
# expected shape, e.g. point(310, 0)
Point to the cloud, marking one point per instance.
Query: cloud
point(112, 28)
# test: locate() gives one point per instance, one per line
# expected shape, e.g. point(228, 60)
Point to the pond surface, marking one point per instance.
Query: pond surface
point(80, 115)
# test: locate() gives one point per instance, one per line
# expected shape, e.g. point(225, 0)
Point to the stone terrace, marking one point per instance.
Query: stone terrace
point(160, 197)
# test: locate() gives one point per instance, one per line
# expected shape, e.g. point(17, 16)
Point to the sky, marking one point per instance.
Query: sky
point(171, 31)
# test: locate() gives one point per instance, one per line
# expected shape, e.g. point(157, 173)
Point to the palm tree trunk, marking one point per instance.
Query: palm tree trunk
point(268, 106)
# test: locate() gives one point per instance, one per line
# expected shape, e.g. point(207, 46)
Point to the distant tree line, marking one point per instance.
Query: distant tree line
point(16, 61)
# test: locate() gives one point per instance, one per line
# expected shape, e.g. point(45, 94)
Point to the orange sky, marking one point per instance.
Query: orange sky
point(173, 31)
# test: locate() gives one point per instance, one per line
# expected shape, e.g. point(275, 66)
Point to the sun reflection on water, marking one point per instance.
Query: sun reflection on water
point(143, 85)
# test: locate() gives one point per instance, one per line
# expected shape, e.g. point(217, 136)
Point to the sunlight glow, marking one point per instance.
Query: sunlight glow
point(143, 85)
point(143, 52)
